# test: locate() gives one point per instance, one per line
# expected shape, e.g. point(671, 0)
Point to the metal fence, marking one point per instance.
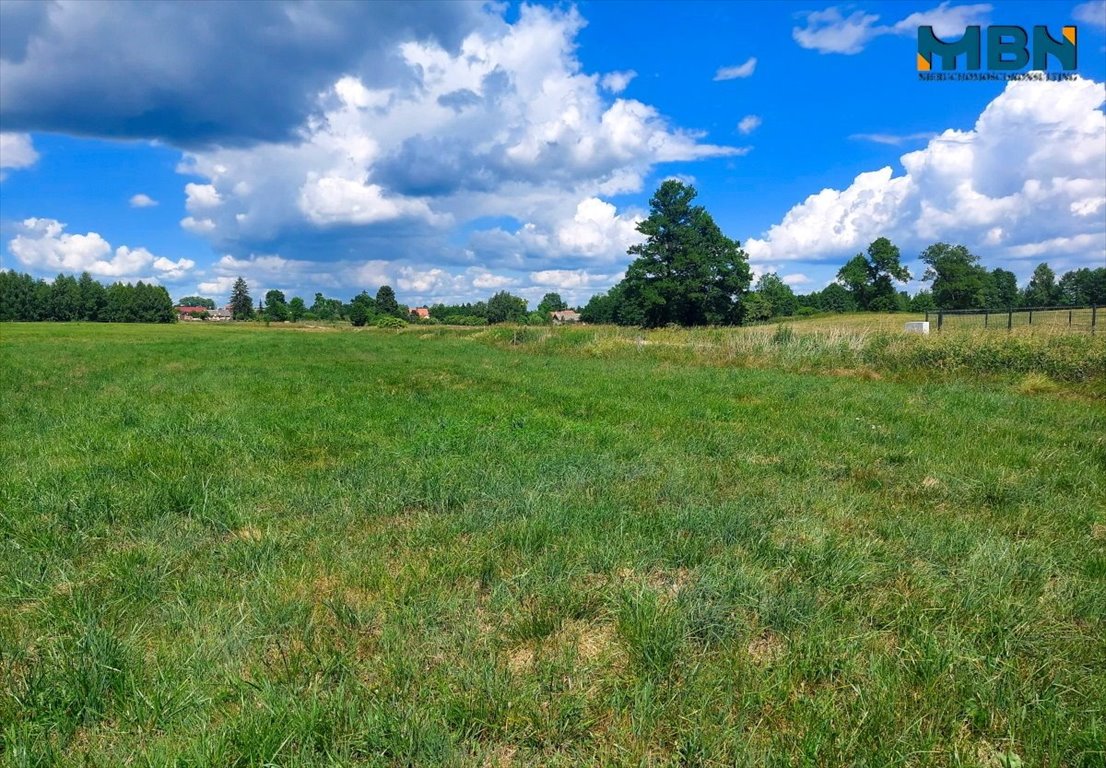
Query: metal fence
point(1058, 318)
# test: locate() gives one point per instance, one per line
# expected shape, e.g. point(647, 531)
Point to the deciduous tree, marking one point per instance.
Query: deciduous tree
point(871, 279)
point(505, 308)
point(1042, 290)
point(958, 280)
point(551, 302)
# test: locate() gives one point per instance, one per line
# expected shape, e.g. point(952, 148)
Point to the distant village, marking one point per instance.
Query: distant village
point(414, 314)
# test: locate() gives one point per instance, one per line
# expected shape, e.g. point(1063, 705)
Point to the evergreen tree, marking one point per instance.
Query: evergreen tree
point(241, 304)
point(65, 299)
point(687, 271)
point(386, 303)
point(92, 298)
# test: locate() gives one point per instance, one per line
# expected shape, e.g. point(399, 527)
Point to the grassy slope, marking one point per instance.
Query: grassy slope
point(232, 545)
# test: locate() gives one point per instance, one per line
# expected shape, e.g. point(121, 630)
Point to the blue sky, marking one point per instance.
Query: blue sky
point(453, 150)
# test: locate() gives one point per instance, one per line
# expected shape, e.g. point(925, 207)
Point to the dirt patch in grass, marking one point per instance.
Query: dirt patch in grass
point(667, 583)
point(520, 659)
point(502, 756)
point(766, 648)
point(246, 533)
point(592, 641)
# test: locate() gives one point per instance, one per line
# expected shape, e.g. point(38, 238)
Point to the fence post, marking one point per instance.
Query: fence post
point(1031, 317)
point(1094, 316)
point(927, 315)
point(1069, 318)
point(986, 317)
point(1009, 318)
point(940, 319)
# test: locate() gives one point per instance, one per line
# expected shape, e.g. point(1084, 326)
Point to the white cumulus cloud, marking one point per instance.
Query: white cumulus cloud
point(1027, 179)
point(142, 200)
point(796, 279)
point(44, 246)
point(507, 125)
point(597, 230)
point(616, 82)
point(201, 196)
point(16, 151)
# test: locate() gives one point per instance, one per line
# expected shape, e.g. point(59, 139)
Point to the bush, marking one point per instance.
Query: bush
point(388, 321)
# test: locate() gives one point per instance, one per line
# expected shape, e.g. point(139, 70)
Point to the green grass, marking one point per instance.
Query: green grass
point(237, 545)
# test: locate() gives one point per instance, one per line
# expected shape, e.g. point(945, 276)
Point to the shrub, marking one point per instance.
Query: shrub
point(388, 321)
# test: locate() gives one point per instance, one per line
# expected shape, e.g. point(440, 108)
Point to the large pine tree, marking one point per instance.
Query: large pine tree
point(241, 305)
point(687, 271)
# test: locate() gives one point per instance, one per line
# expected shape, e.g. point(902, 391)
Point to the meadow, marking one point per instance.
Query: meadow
point(816, 544)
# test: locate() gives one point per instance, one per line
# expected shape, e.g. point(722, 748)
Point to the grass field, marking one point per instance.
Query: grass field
point(237, 545)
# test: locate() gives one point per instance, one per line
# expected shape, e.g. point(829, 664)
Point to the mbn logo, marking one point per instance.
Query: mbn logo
point(1007, 48)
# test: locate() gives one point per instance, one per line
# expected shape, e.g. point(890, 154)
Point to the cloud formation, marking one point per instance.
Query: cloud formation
point(964, 187)
point(16, 151)
point(142, 200)
point(235, 73)
point(832, 31)
point(893, 139)
point(44, 245)
point(740, 71)
point(749, 123)
point(507, 127)
point(1092, 13)
point(616, 82)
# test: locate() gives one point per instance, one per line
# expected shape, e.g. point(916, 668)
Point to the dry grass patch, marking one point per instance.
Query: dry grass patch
point(502, 756)
point(521, 659)
point(766, 648)
point(246, 533)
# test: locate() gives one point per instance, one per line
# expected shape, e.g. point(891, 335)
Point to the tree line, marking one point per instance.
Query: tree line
point(26, 299)
point(382, 308)
point(686, 273)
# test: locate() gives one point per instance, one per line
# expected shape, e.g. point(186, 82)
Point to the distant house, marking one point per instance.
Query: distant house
point(562, 316)
point(422, 313)
point(192, 313)
point(220, 314)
